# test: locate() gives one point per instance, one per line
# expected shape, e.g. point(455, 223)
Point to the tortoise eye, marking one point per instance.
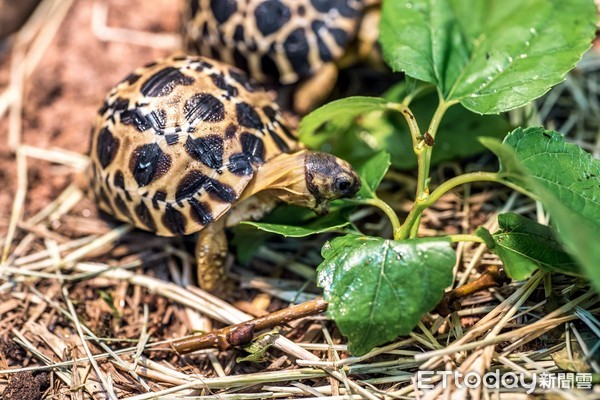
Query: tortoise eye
point(342, 185)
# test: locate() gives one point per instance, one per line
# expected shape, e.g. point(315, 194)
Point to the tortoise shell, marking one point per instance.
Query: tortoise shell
point(281, 40)
point(176, 142)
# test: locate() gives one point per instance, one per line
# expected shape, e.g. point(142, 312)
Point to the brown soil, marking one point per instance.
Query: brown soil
point(68, 86)
point(27, 386)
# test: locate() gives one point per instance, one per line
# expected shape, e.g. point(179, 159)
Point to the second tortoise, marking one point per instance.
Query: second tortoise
point(301, 42)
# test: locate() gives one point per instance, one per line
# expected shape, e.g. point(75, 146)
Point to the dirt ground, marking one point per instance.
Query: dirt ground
point(67, 87)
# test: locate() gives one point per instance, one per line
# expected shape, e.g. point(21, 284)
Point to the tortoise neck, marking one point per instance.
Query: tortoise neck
point(283, 177)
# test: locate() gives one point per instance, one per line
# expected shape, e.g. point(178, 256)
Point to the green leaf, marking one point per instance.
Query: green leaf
point(554, 167)
point(566, 180)
point(509, 164)
point(579, 234)
point(516, 265)
point(379, 289)
point(339, 112)
point(110, 301)
point(371, 174)
point(562, 168)
point(257, 348)
point(524, 246)
point(287, 220)
point(489, 56)
point(328, 223)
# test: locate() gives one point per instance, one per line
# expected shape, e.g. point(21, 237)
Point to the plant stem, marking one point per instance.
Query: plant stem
point(413, 126)
point(464, 238)
point(461, 180)
point(408, 230)
point(415, 134)
point(517, 188)
point(391, 214)
point(423, 150)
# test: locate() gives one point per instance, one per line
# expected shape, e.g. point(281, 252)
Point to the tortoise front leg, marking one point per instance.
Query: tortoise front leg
point(211, 251)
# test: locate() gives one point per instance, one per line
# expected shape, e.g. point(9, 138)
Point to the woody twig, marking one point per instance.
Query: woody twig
point(494, 276)
point(243, 333)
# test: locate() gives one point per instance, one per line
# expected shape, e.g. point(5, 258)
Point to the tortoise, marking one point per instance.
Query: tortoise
point(188, 144)
point(285, 41)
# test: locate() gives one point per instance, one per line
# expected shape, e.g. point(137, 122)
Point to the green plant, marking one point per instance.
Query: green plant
point(487, 58)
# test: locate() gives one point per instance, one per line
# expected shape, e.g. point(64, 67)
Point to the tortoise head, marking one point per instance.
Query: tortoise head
point(329, 178)
point(305, 178)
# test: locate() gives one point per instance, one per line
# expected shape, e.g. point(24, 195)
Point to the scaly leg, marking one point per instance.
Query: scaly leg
point(365, 48)
point(312, 92)
point(211, 251)
point(368, 33)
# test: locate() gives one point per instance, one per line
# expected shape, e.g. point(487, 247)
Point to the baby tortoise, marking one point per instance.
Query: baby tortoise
point(188, 144)
point(285, 41)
